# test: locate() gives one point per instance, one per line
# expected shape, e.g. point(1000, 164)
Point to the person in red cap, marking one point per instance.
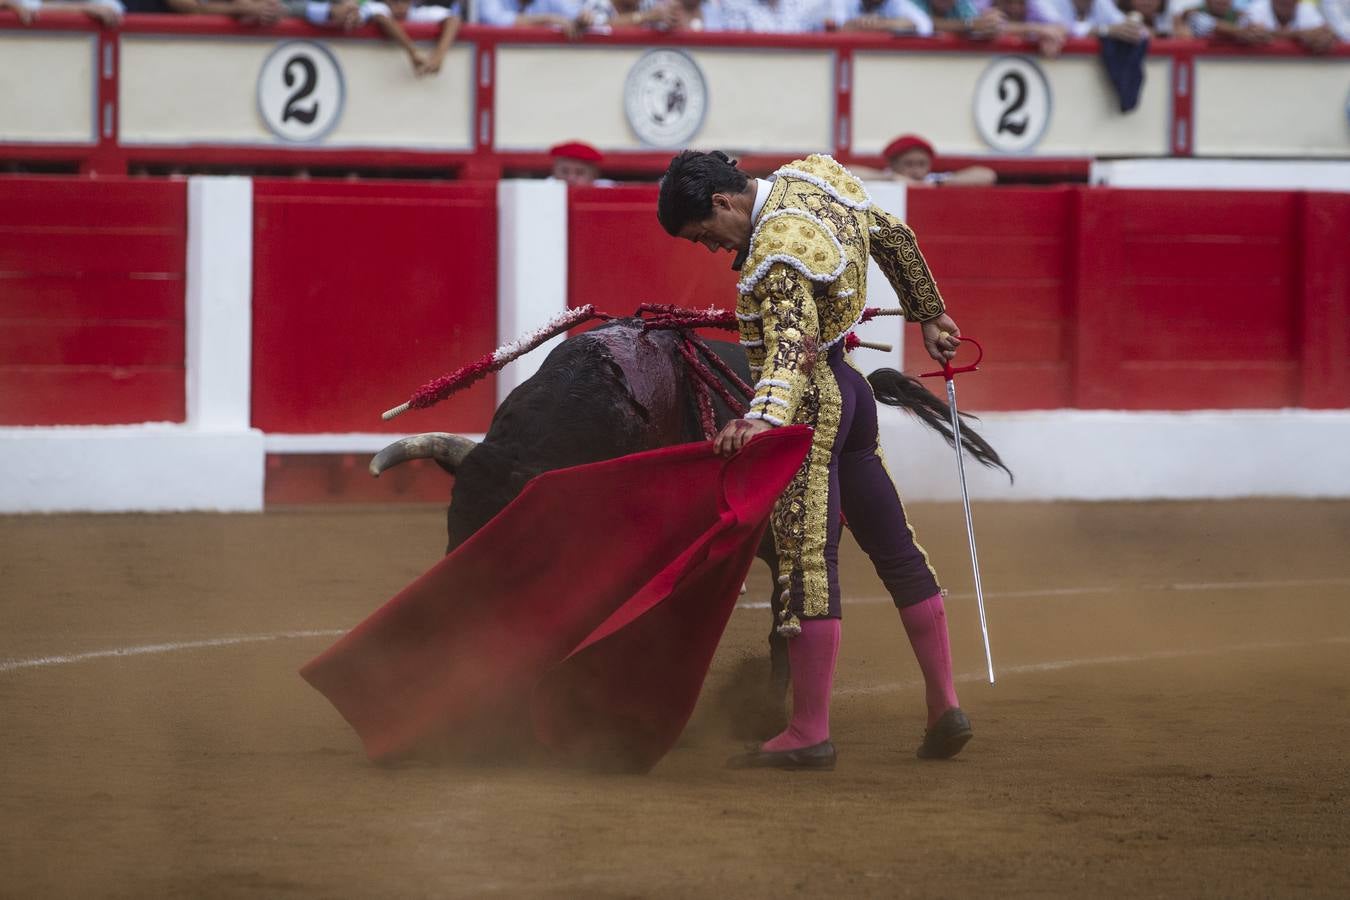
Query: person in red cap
point(910, 158)
point(576, 163)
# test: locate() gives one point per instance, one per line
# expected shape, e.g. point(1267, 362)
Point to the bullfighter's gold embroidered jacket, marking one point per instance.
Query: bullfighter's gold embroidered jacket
point(804, 280)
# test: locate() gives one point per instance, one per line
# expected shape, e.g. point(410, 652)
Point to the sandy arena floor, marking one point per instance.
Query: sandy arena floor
point(1172, 719)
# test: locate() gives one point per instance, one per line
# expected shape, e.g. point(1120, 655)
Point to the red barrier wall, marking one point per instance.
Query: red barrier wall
point(619, 256)
point(1085, 297)
point(91, 301)
point(1189, 300)
point(1324, 340)
point(1004, 262)
point(361, 293)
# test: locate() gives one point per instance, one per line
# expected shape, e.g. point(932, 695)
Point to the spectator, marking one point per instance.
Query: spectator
point(776, 16)
point(1085, 18)
point(388, 16)
point(1152, 14)
point(697, 15)
point(910, 158)
point(106, 12)
point(669, 15)
point(661, 15)
point(1220, 19)
point(248, 12)
point(656, 14)
point(565, 15)
point(24, 9)
point(1337, 14)
point(894, 16)
point(1291, 20)
point(964, 17)
point(578, 164)
point(1026, 24)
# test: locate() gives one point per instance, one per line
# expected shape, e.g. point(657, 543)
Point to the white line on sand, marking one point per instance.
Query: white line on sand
point(1058, 664)
point(1111, 589)
point(9, 665)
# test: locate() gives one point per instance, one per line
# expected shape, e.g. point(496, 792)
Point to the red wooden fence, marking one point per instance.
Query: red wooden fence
point(1085, 297)
point(362, 292)
point(1089, 298)
point(91, 301)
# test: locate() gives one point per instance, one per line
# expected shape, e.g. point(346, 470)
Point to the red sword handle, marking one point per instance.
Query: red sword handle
point(948, 370)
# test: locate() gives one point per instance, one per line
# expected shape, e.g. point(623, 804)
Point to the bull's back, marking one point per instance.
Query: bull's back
point(608, 392)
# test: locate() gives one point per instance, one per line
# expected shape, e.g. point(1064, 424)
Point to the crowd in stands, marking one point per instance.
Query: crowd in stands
point(1315, 25)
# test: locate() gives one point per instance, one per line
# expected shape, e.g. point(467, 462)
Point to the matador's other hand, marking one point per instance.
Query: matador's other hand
point(736, 434)
point(940, 337)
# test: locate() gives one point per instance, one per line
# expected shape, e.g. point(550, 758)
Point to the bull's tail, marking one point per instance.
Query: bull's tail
point(898, 389)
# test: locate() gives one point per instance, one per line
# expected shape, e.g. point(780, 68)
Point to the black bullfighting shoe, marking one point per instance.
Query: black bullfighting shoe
point(818, 756)
point(947, 736)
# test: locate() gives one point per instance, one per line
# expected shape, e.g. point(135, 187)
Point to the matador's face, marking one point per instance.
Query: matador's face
point(727, 229)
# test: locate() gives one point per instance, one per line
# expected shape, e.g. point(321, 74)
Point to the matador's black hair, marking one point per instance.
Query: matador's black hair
point(689, 183)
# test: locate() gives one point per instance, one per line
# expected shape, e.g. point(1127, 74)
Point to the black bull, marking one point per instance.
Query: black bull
point(609, 392)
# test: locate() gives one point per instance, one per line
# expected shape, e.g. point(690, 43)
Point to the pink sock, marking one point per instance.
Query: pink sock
point(811, 655)
point(926, 625)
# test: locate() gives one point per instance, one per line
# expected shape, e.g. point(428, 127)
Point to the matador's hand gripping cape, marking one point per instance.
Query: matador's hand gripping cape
point(581, 620)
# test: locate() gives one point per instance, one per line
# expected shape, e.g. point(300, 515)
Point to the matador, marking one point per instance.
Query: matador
point(801, 241)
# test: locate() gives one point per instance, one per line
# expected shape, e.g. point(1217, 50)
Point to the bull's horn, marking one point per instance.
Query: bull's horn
point(447, 449)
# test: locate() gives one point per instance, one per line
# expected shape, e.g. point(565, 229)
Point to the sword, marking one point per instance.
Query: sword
point(949, 373)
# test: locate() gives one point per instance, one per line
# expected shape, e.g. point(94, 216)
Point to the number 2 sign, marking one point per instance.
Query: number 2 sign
point(1012, 104)
point(300, 91)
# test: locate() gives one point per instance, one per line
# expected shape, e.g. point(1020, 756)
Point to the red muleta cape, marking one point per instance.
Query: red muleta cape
point(581, 620)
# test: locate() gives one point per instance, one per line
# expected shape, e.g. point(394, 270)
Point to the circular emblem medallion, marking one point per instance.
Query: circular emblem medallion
point(300, 91)
point(1012, 104)
point(665, 98)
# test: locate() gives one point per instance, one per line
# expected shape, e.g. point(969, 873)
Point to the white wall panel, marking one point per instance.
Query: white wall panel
point(933, 95)
point(1256, 107)
point(204, 90)
point(48, 88)
point(760, 100)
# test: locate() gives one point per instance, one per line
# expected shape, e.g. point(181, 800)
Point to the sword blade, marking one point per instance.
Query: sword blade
point(970, 524)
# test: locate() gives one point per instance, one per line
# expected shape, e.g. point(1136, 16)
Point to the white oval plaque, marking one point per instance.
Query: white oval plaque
point(300, 91)
point(1012, 104)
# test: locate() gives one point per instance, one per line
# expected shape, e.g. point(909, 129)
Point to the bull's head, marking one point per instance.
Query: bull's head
point(486, 479)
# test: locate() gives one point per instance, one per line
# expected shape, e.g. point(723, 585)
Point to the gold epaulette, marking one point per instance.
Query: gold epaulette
point(828, 175)
point(798, 239)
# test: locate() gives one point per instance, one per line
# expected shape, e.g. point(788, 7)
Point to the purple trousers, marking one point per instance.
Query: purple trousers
point(861, 487)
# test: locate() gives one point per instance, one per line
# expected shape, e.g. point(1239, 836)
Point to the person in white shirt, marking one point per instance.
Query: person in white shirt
point(602, 14)
point(1088, 18)
point(659, 15)
point(1155, 15)
point(776, 16)
point(106, 12)
point(697, 15)
point(894, 16)
point(1220, 19)
point(1337, 14)
point(388, 16)
point(1299, 22)
point(565, 15)
point(1024, 21)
